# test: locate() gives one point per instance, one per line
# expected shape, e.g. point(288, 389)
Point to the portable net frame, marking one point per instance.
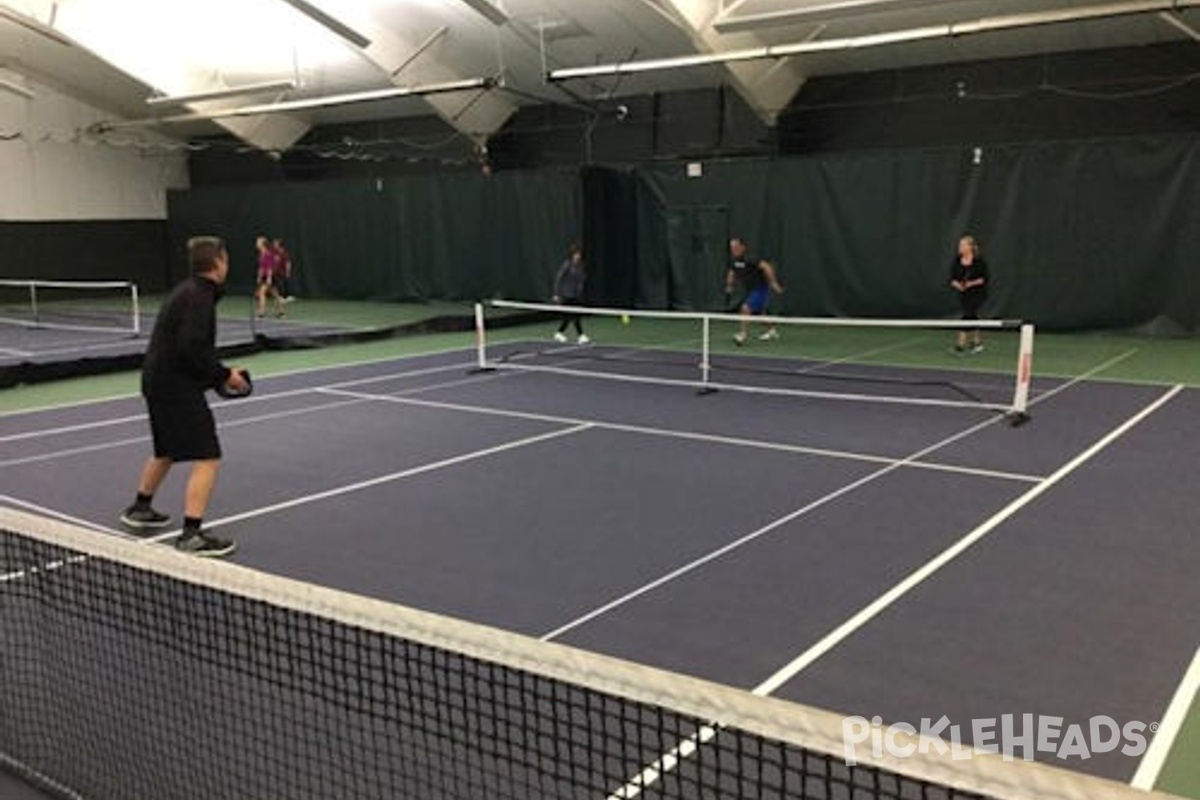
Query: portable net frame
point(131, 670)
point(85, 306)
point(860, 360)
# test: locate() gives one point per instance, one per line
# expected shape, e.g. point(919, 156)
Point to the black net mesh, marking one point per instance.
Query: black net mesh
point(122, 681)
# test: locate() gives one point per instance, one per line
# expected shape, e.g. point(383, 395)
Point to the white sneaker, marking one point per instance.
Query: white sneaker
point(583, 339)
point(739, 339)
point(768, 335)
point(559, 336)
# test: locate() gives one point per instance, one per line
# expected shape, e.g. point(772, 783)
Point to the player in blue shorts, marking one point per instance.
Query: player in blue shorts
point(758, 278)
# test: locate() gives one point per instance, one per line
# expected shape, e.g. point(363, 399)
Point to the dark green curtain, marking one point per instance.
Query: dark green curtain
point(456, 237)
point(1079, 235)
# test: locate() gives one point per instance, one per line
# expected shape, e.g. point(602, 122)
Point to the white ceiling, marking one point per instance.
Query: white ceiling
point(114, 54)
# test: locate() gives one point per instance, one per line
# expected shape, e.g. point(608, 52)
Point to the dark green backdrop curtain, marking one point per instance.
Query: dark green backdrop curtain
point(455, 237)
point(1079, 235)
point(1101, 234)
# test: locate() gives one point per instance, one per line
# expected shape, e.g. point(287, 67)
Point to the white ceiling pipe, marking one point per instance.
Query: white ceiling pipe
point(287, 106)
point(984, 25)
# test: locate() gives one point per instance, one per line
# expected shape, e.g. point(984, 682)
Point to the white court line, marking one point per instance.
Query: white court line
point(261, 398)
point(92, 448)
point(1091, 373)
point(382, 479)
point(1168, 729)
point(753, 535)
point(236, 423)
point(50, 512)
point(285, 374)
point(340, 490)
point(652, 773)
point(902, 588)
point(688, 435)
point(856, 356)
point(8, 351)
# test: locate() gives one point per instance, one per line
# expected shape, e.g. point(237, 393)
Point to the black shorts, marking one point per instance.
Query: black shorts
point(183, 428)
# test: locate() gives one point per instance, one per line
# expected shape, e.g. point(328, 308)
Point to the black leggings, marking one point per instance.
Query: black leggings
point(970, 310)
point(572, 318)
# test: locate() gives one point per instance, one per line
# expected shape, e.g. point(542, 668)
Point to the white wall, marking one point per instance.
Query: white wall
point(51, 169)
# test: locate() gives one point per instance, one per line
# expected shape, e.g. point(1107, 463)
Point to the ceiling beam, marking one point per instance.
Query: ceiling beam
point(953, 30)
point(29, 23)
point(1176, 22)
point(223, 93)
point(325, 20)
point(729, 22)
point(490, 11)
point(16, 88)
point(766, 88)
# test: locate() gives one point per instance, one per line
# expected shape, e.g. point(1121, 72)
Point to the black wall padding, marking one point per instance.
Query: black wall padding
point(127, 250)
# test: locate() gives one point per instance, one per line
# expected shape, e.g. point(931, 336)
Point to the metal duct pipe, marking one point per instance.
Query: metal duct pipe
point(984, 25)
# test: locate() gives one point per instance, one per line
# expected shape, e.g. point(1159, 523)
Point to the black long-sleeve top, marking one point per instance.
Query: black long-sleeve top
point(977, 270)
point(181, 359)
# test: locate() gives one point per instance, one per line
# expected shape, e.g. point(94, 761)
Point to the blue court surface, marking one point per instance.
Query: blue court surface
point(870, 559)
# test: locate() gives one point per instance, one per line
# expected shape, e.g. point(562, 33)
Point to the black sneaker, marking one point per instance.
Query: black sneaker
point(144, 518)
point(204, 544)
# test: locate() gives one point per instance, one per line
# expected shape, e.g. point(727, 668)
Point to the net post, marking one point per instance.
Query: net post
point(481, 364)
point(705, 353)
point(1019, 414)
point(137, 310)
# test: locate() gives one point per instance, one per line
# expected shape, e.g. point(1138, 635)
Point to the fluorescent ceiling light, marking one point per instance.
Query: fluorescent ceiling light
point(221, 94)
point(17, 88)
point(319, 16)
point(494, 13)
point(817, 12)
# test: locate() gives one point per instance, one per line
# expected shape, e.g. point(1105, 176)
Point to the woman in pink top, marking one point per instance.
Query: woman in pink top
point(265, 282)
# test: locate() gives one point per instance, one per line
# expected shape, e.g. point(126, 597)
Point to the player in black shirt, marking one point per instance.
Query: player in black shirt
point(180, 365)
point(969, 277)
point(757, 276)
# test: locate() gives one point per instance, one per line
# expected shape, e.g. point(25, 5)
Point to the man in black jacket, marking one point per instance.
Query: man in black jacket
point(180, 365)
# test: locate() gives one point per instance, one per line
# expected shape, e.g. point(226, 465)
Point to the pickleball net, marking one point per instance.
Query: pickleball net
point(901, 361)
point(110, 307)
point(132, 671)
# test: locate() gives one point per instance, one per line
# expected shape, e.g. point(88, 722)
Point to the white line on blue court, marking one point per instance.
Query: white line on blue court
point(391, 477)
point(689, 435)
point(653, 772)
point(260, 398)
point(757, 534)
point(275, 415)
point(1169, 727)
point(59, 515)
point(859, 356)
point(888, 598)
point(285, 374)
